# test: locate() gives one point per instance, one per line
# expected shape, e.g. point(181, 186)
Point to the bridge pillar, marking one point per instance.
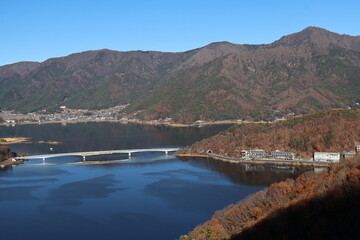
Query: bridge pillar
point(166, 153)
point(129, 154)
point(84, 158)
point(43, 160)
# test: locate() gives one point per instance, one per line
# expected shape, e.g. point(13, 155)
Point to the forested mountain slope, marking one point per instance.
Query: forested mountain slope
point(303, 72)
point(326, 131)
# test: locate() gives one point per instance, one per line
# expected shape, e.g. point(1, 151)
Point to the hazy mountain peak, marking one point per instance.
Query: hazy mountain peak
point(220, 44)
point(20, 68)
point(320, 39)
point(315, 29)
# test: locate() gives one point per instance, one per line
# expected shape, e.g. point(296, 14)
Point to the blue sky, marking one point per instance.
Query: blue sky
point(34, 30)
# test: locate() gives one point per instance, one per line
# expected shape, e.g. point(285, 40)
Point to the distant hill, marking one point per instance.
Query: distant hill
point(303, 72)
point(326, 131)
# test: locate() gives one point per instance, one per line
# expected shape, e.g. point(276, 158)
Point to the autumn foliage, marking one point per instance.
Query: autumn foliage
point(334, 130)
point(5, 152)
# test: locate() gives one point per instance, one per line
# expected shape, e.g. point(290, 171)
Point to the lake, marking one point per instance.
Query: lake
point(150, 196)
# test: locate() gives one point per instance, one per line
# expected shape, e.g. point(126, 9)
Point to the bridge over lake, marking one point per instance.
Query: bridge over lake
point(97, 153)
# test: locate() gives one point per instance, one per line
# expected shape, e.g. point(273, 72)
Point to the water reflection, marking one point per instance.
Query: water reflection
point(175, 191)
point(17, 193)
point(249, 174)
point(72, 193)
point(28, 171)
point(244, 174)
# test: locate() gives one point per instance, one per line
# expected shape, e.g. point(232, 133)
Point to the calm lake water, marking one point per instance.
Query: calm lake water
point(150, 196)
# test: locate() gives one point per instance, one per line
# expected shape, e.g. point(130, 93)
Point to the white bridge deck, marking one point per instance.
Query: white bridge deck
point(96, 153)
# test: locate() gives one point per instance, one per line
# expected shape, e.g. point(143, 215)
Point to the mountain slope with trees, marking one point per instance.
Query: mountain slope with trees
point(303, 72)
point(326, 131)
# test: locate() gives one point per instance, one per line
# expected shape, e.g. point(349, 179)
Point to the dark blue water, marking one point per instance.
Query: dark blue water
point(150, 196)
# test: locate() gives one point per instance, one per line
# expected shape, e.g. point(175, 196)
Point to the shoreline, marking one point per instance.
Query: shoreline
point(9, 163)
point(16, 140)
point(151, 123)
point(135, 121)
point(13, 140)
point(260, 162)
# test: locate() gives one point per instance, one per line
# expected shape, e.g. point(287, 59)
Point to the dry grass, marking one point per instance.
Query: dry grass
point(14, 140)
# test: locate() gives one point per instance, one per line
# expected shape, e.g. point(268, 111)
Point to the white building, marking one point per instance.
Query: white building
point(326, 157)
point(283, 155)
point(253, 153)
point(357, 147)
point(349, 155)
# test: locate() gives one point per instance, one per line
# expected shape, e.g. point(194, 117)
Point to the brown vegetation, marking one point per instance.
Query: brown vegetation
point(50, 142)
point(13, 140)
point(334, 130)
point(5, 153)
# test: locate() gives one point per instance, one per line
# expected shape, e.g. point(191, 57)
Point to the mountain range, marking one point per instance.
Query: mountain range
point(300, 73)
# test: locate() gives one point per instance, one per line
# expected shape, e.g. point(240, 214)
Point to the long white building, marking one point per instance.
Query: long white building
point(326, 157)
point(282, 155)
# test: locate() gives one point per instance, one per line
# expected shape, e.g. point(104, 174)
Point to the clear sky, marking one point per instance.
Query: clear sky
point(34, 30)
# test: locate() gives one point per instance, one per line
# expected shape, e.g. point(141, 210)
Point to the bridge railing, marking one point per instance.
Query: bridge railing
point(98, 153)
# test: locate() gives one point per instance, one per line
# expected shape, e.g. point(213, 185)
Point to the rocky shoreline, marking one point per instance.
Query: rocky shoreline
point(9, 163)
point(7, 157)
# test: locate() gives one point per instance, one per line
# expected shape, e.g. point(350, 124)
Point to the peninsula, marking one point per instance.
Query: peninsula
point(313, 206)
point(299, 140)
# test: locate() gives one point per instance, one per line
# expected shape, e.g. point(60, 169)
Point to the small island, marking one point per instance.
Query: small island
point(7, 157)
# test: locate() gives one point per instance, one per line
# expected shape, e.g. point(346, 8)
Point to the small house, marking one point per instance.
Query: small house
point(357, 147)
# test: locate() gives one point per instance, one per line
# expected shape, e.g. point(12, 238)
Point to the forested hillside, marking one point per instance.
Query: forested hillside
point(300, 73)
point(333, 130)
